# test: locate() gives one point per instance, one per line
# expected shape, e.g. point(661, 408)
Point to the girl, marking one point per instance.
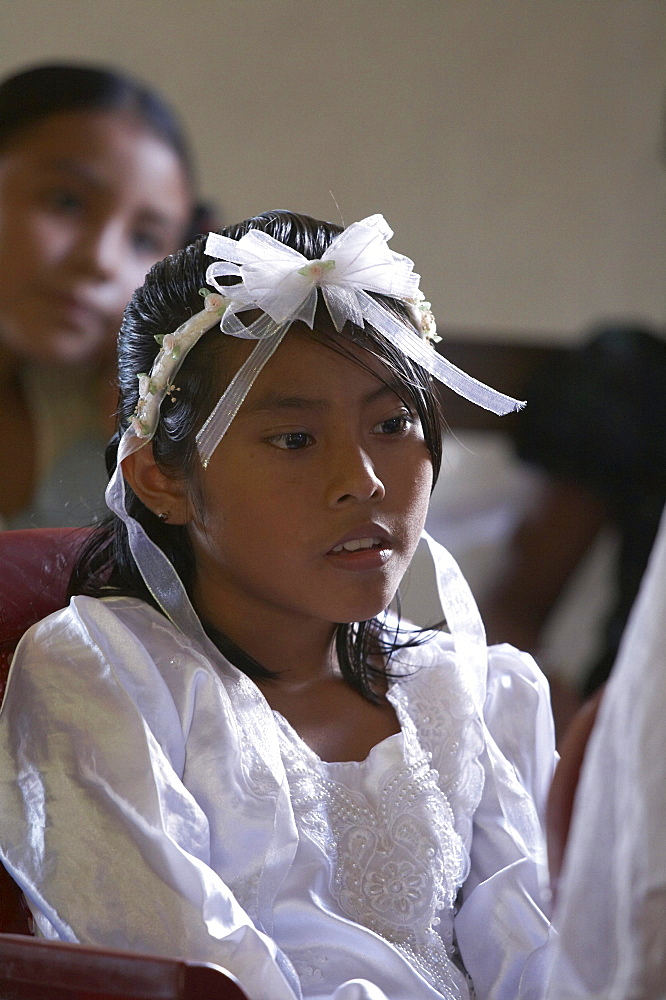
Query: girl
point(95, 186)
point(226, 748)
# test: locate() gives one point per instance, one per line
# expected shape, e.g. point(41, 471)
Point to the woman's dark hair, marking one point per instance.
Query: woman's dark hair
point(168, 297)
point(29, 97)
point(33, 95)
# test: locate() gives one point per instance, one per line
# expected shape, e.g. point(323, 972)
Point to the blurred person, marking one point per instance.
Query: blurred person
point(596, 427)
point(96, 185)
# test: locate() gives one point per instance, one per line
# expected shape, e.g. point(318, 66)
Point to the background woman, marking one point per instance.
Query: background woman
point(96, 184)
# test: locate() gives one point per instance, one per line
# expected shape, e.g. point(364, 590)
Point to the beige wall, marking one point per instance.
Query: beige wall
point(513, 145)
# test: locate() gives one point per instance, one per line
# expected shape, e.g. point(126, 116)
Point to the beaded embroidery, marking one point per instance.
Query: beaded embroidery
point(399, 859)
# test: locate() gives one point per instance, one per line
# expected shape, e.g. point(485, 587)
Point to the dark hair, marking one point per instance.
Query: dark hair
point(169, 296)
point(34, 94)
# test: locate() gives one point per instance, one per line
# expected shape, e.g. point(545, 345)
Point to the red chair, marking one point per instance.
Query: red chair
point(48, 970)
point(35, 566)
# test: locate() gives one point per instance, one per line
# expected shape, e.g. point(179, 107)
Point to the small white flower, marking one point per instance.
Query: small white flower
point(423, 317)
point(214, 301)
point(168, 344)
point(144, 385)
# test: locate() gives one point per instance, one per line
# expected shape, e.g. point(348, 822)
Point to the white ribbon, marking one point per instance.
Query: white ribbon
point(283, 285)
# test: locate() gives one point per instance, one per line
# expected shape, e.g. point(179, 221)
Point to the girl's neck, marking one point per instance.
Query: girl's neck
point(331, 717)
point(297, 649)
point(299, 653)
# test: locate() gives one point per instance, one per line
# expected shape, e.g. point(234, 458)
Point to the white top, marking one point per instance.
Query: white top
point(611, 907)
point(150, 799)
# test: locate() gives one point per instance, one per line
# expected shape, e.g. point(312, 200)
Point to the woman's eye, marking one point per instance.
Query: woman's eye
point(394, 425)
point(63, 200)
point(291, 440)
point(147, 242)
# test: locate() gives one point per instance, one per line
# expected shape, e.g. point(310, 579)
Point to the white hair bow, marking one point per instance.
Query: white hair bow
point(283, 283)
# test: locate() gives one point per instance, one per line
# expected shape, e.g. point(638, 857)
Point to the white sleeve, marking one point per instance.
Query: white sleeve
point(502, 924)
point(96, 824)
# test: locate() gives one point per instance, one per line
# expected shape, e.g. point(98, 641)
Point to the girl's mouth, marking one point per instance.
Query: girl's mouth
point(359, 543)
point(361, 554)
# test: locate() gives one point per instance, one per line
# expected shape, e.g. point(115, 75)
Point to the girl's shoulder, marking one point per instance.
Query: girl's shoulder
point(515, 678)
point(120, 642)
point(512, 700)
point(511, 674)
point(518, 715)
point(103, 620)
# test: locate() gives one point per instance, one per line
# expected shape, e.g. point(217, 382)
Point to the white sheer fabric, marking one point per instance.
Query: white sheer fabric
point(213, 832)
point(612, 893)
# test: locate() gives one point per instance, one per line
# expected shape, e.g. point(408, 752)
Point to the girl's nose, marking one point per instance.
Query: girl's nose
point(354, 479)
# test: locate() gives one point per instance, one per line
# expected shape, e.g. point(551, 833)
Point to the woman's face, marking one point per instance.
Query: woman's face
point(314, 501)
point(89, 201)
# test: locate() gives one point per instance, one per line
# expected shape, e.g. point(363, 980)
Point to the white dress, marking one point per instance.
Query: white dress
point(150, 799)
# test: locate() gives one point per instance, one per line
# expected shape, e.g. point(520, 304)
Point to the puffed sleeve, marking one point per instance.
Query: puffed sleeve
point(502, 925)
point(97, 825)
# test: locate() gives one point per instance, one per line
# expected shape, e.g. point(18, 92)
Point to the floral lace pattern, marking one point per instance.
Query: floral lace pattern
point(395, 844)
point(446, 725)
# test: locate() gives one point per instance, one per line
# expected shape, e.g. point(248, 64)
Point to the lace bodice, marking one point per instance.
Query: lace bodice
point(388, 830)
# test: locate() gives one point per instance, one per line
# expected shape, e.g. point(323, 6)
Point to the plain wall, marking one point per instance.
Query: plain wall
point(515, 147)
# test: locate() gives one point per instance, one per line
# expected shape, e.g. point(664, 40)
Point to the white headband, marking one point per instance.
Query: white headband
point(285, 286)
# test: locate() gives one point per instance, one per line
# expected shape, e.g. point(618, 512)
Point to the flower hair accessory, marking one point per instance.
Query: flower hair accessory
point(423, 318)
point(173, 349)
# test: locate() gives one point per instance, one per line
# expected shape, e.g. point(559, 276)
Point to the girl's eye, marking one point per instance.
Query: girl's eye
point(291, 440)
point(397, 425)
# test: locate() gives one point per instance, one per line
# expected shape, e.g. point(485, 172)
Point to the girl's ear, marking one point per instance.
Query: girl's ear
point(166, 497)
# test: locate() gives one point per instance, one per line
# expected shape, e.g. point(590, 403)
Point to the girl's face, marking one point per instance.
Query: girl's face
point(314, 501)
point(88, 202)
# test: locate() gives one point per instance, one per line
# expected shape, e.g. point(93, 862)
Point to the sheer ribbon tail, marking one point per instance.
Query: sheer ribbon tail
point(342, 304)
point(158, 573)
point(234, 395)
point(464, 622)
point(422, 353)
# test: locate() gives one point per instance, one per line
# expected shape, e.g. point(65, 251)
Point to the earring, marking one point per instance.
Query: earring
point(163, 516)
